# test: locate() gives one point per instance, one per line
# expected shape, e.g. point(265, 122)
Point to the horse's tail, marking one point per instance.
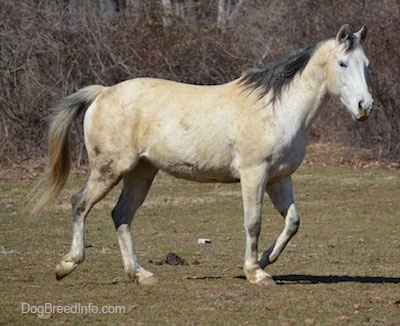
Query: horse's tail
point(67, 110)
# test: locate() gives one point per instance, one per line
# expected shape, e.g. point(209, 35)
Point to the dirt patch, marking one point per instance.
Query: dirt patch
point(172, 259)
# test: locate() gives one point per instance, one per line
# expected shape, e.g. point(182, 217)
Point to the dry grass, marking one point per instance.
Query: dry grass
point(341, 268)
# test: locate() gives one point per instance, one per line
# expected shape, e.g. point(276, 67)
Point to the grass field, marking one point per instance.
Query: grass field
point(341, 268)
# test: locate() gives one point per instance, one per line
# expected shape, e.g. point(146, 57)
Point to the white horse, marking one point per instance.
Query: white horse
point(252, 130)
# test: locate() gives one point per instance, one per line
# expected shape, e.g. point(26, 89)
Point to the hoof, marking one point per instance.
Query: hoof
point(266, 282)
point(141, 276)
point(259, 277)
point(148, 280)
point(64, 268)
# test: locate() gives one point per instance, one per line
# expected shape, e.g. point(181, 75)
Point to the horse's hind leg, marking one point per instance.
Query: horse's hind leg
point(136, 186)
point(100, 182)
point(281, 194)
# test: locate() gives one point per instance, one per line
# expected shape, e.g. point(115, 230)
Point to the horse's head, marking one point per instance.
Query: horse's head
point(347, 72)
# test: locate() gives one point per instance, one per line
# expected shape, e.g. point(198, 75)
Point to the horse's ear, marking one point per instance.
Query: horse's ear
point(344, 33)
point(362, 34)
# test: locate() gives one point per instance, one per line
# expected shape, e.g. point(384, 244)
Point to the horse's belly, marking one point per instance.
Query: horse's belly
point(201, 166)
point(201, 153)
point(195, 172)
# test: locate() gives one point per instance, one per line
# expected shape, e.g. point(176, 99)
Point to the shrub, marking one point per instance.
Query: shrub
point(52, 48)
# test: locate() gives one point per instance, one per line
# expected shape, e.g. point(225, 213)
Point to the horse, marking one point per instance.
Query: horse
point(251, 130)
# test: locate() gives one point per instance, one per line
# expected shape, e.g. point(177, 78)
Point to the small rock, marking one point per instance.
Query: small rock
point(204, 241)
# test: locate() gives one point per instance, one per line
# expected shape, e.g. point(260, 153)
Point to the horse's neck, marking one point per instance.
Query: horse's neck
point(302, 102)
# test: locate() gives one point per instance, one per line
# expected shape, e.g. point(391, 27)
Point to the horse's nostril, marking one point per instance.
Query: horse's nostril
point(365, 105)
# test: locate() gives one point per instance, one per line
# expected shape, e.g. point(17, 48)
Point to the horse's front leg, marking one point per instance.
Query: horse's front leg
point(281, 194)
point(253, 182)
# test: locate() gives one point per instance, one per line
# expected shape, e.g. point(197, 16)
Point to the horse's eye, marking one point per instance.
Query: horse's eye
point(342, 64)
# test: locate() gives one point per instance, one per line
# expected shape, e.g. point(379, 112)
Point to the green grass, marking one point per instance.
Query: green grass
point(341, 268)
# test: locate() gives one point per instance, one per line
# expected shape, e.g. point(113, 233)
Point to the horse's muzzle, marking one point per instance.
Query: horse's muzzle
point(365, 111)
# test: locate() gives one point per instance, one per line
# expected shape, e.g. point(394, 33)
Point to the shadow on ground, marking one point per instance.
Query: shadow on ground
point(330, 279)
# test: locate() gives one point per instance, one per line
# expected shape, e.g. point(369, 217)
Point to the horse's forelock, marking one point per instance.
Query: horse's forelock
point(351, 42)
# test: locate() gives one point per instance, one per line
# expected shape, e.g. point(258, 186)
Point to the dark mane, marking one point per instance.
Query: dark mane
point(278, 75)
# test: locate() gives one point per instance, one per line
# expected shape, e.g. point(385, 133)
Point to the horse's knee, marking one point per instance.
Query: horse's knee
point(292, 221)
point(253, 227)
point(293, 224)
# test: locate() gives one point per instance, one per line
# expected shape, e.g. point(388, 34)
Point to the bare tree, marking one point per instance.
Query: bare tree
point(172, 8)
point(117, 5)
point(227, 9)
point(49, 49)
